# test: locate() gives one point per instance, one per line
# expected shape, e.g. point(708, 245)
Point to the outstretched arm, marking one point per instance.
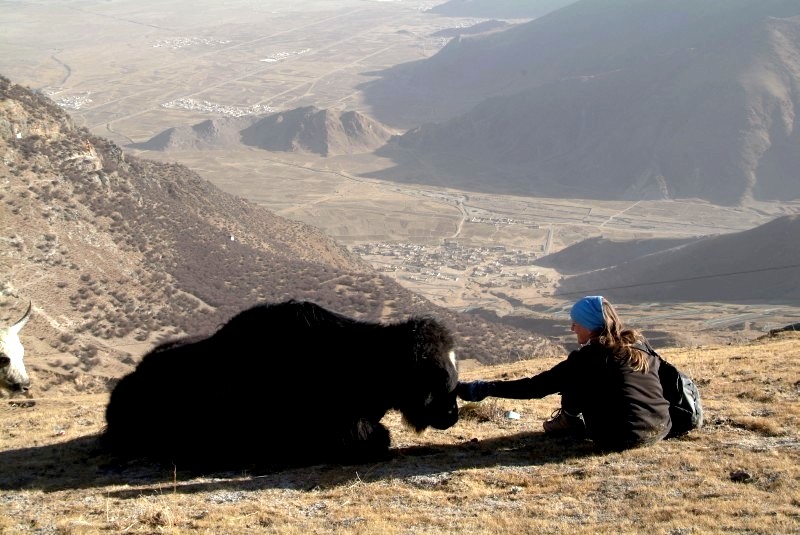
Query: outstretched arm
point(538, 386)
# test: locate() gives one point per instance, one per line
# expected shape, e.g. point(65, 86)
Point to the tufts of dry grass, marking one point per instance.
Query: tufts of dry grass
point(489, 410)
point(487, 474)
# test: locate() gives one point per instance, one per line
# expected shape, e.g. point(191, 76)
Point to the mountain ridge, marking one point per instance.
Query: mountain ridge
point(756, 265)
point(307, 129)
point(628, 100)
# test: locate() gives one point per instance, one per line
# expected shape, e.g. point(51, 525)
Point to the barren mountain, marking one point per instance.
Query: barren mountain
point(117, 252)
point(760, 265)
point(221, 132)
point(584, 39)
point(305, 129)
point(619, 99)
point(324, 132)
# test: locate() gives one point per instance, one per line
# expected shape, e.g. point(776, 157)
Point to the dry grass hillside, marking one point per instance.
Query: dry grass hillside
point(487, 474)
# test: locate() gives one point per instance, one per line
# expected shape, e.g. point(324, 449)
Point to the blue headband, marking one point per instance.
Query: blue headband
point(588, 312)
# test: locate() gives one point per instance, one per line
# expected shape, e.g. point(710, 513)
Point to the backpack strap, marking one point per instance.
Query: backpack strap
point(645, 347)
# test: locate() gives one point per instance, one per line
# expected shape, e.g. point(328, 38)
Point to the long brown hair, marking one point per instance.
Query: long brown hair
point(619, 340)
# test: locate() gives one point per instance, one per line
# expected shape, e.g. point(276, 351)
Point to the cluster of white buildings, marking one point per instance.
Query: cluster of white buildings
point(68, 102)
point(451, 261)
point(279, 56)
point(184, 42)
point(213, 107)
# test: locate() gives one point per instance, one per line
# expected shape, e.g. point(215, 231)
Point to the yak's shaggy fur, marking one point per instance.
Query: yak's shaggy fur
point(13, 375)
point(280, 384)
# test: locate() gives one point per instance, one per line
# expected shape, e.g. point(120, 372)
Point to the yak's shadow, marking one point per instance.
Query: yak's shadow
point(81, 463)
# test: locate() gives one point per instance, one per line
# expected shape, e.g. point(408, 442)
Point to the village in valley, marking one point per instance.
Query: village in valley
point(489, 266)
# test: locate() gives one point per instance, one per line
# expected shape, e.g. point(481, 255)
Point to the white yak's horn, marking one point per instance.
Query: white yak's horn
point(17, 327)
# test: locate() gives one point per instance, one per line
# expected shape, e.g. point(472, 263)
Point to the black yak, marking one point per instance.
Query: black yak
point(281, 384)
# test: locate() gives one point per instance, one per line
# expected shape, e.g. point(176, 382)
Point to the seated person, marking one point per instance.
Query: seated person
point(610, 390)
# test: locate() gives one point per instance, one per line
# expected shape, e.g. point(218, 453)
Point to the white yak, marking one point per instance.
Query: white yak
point(13, 376)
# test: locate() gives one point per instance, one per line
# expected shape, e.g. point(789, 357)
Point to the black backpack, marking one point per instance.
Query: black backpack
point(685, 407)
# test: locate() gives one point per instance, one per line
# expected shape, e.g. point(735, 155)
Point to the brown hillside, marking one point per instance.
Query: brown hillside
point(486, 474)
point(117, 252)
point(222, 132)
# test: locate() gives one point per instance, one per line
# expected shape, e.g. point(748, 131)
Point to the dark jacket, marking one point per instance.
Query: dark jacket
point(621, 407)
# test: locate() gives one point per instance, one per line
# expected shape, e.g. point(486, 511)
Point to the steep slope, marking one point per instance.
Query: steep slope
point(690, 125)
point(585, 38)
point(759, 265)
point(116, 252)
point(702, 112)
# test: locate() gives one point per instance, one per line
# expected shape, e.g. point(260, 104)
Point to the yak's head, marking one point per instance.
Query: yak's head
point(429, 397)
point(13, 376)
